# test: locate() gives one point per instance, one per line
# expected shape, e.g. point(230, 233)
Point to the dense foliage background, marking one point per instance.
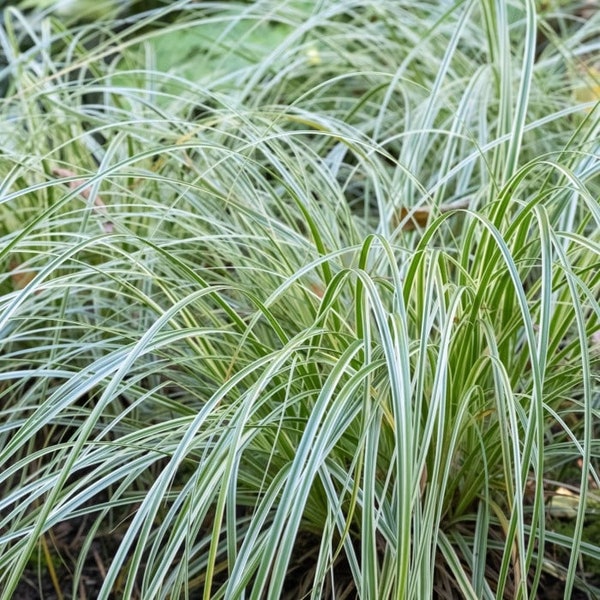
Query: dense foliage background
point(299, 299)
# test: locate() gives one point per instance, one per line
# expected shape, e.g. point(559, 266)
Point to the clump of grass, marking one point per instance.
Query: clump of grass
point(308, 311)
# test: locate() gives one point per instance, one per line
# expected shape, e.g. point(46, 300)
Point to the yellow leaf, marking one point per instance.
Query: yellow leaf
point(564, 504)
point(589, 89)
point(313, 56)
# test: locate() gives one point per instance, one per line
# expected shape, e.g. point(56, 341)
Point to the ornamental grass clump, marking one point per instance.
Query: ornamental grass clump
point(300, 300)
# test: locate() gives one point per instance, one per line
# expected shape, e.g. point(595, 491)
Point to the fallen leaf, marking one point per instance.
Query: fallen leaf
point(317, 290)
point(19, 278)
point(313, 56)
point(563, 504)
point(589, 88)
point(411, 218)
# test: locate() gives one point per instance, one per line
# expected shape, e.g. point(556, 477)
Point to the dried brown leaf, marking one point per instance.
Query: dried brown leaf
point(19, 278)
point(411, 218)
